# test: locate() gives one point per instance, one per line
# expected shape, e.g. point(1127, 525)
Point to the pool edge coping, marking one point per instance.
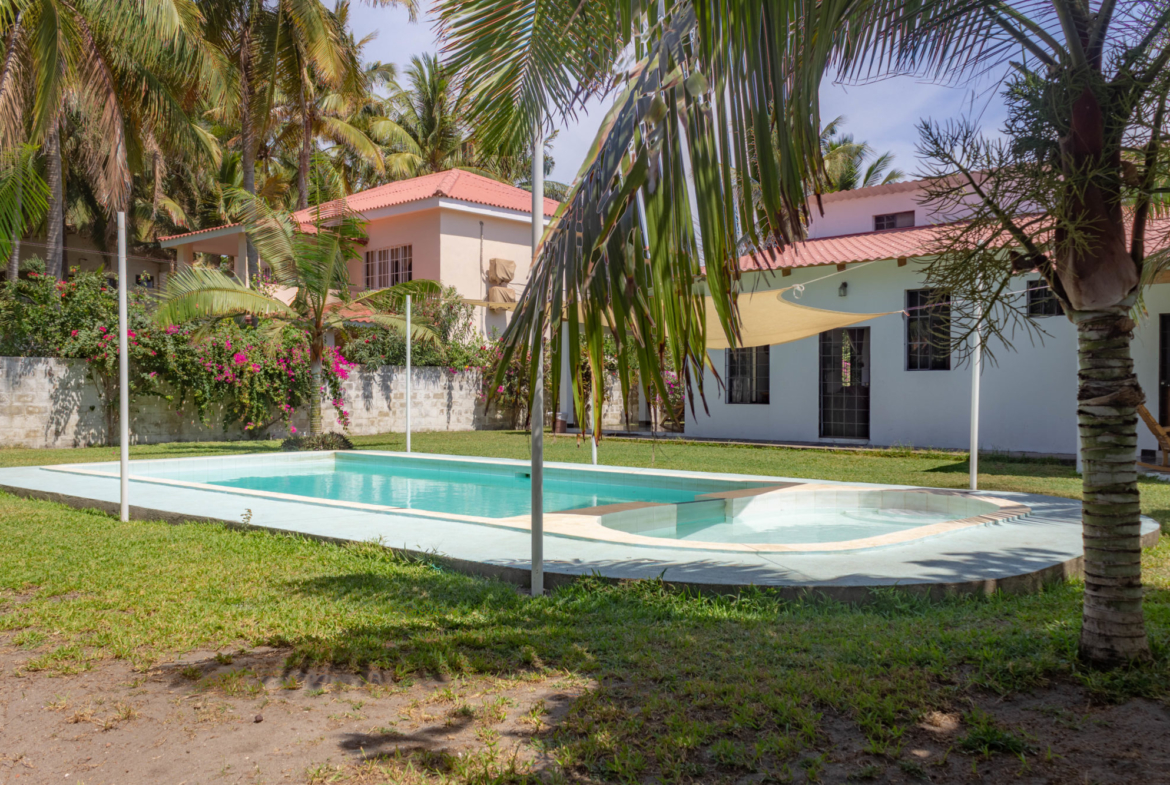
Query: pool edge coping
point(1020, 583)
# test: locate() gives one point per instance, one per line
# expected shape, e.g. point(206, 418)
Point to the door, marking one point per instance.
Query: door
point(845, 383)
point(1164, 369)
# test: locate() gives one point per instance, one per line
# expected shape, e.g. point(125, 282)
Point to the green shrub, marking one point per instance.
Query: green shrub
point(320, 442)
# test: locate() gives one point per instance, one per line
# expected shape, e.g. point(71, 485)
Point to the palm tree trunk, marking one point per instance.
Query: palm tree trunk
point(14, 256)
point(56, 215)
point(1113, 629)
point(315, 426)
point(247, 131)
point(306, 150)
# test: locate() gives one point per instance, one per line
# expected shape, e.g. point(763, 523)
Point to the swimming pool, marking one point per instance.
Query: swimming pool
point(466, 488)
point(636, 507)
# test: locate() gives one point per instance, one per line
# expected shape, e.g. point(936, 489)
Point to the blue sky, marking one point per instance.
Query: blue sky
point(883, 113)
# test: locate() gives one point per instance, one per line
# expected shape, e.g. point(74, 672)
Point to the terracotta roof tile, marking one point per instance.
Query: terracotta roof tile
point(913, 242)
point(197, 232)
point(453, 184)
point(847, 248)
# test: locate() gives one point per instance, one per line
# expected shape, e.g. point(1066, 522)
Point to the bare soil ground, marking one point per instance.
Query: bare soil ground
point(210, 718)
point(247, 720)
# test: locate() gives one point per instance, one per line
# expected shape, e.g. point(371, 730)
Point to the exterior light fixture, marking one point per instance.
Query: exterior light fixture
point(843, 289)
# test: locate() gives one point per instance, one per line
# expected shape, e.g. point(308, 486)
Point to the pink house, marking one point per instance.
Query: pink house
point(446, 227)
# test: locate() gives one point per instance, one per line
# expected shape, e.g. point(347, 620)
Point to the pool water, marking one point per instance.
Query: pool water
point(467, 489)
point(793, 527)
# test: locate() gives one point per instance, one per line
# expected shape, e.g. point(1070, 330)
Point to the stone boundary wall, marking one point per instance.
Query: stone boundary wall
point(52, 402)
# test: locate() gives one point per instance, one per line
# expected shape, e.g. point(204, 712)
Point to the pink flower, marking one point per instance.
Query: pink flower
point(239, 358)
point(293, 429)
point(500, 389)
point(73, 334)
point(131, 334)
point(255, 367)
point(172, 329)
point(101, 329)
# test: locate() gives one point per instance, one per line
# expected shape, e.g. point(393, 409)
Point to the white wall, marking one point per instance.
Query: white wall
point(852, 212)
point(1028, 395)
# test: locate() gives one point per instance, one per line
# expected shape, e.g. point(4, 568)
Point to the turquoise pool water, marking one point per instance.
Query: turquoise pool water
point(483, 490)
point(795, 527)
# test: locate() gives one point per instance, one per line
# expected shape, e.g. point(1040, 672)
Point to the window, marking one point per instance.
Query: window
point(893, 221)
point(1042, 300)
point(928, 330)
point(747, 375)
point(388, 266)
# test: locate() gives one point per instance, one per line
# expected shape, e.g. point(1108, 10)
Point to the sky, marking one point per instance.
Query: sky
point(884, 113)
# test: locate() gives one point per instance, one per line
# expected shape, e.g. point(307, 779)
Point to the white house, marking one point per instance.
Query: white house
point(877, 382)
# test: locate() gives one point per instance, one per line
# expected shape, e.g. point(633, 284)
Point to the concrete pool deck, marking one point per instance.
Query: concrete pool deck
point(1013, 555)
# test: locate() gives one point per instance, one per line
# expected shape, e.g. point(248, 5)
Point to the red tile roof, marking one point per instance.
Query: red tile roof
point(452, 184)
point(197, 232)
point(916, 241)
point(847, 248)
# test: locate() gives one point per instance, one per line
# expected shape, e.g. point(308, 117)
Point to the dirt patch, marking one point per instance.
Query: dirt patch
point(246, 719)
point(1050, 737)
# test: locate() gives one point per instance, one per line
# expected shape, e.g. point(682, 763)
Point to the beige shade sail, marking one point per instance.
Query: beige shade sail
point(766, 318)
point(495, 306)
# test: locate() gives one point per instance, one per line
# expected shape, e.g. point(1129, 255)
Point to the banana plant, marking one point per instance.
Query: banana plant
point(312, 259)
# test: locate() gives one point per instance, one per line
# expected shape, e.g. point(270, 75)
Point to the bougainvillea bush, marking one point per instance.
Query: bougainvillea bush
point(255, 376)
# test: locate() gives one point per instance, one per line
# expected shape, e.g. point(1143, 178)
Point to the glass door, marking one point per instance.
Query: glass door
point(845, 383)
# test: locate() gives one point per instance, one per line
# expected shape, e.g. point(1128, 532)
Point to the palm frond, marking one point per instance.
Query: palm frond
point(24, 195)
point(419, 329)
point(625, 249)
point(393, 298)
point(341, 132)
point(196, 293)
point(534, 59)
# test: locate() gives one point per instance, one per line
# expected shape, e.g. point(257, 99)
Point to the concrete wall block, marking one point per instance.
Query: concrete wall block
point(50, 402)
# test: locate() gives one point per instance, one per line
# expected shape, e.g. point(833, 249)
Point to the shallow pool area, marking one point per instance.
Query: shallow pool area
point(802, 514)
point(828, 525)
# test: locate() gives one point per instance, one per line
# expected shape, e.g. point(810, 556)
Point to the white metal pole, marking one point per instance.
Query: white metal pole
point(537, 414)
point(592, 441)
point(408, 372)
point(123, 373)
point(976, 372)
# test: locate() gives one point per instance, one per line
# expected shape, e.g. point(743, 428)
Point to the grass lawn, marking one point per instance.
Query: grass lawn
point(684, 688)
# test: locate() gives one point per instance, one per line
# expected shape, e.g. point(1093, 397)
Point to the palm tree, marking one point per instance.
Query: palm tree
point(845, 161)
point(424, 129)
point(1090, 95)
point(118, 69)
point(274, 45)
point(323, 103)
point(311, 260)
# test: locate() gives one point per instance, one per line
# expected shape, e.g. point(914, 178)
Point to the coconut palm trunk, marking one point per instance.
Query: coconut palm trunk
point(55, 219)
point(247, 133)
point(306, 150)
point(315, 426)
point(1113, 629)
point(14, 257)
